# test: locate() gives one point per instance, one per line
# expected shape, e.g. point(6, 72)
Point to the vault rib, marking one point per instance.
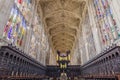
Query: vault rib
point(65, 45)
point(63, 38)
point(72, 26)
point(64, 35)
point(62, 48)
point(65, 11)
point(63, 42)
point(66, 32)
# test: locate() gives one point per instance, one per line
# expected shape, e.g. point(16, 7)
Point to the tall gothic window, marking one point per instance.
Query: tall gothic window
point(106, 20)
point(15, 28)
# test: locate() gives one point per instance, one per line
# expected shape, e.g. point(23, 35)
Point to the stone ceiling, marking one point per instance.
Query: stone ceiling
point(61, 19)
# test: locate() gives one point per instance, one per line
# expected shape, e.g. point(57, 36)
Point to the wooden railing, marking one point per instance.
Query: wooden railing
point(14, 63)
point(106, 65)
point(71, 71)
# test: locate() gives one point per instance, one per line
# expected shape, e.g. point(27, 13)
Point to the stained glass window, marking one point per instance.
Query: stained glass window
point(15, 29)
point(106, 21)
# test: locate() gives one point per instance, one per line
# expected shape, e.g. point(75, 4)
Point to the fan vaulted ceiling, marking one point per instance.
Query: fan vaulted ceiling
point(61, 19)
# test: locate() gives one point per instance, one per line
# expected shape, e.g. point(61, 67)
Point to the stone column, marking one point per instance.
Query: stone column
point(94, 26)
point(38, 52)
point(52, 60)
point(82, 61)
point(29, 30)
point(96, 39)
point(27, 40)
point(85, 42)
